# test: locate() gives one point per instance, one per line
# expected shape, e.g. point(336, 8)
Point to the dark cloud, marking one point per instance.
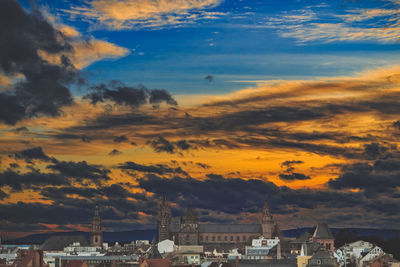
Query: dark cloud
point(375, 150)
point(130, 96)
point(162, 145)
point(14, 166)
point(33, 153)
point(209, 78)
point(18, 181)
point(158, 96)
point(290, 163)
point(22, 129)
point(3, 195)
point(158, 169)
point(43, 90)
point(236, 195)
point(114, 152)
point(120, 139)
point(85, 138)
point(381, 177)
point(80, 170)
point(183, 145)
point(289, 174)
point(293, 176)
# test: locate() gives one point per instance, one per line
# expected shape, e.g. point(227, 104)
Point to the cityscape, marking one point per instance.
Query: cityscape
point(199, 133)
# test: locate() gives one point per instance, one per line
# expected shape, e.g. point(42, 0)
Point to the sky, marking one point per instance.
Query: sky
point(220, 105)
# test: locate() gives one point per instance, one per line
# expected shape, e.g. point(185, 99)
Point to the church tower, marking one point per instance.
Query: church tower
point(96, 236)
point(188, 233)
point(164, 219)
point(267, 222)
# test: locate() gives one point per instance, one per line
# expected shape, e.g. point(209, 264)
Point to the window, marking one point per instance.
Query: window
point(244, 238)
point(213, 238)
point(219, 238)
point(225, 238)
point(201, 238)
point(207, 238)
point(238, 238)
point(231, 238)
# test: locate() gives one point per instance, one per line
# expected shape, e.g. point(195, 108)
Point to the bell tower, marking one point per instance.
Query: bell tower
point(267, 222)
point(164, 219)
point(96, 236)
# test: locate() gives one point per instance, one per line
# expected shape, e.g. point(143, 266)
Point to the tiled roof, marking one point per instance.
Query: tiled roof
point(158, 262)
point(230, 228)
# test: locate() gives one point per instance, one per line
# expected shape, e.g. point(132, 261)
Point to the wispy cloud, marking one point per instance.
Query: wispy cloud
point(364, 24)
point(132, 14)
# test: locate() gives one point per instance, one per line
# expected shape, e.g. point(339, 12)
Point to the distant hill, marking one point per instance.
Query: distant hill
point(123, 237)
point(150, 234)
point(382, 233)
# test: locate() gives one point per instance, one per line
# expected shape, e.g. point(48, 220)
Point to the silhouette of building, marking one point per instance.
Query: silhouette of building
point(96, 235)
point(188, 231)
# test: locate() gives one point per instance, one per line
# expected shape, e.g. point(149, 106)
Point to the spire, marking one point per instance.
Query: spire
point(266, 210)
point(96, 211)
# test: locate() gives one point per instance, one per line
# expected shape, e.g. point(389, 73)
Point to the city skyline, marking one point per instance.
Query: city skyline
point(220, 105)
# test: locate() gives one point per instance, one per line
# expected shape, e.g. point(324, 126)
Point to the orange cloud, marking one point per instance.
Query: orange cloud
point(126, 14)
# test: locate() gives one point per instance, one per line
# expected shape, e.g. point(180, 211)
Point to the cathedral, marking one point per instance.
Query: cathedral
point(188, 231)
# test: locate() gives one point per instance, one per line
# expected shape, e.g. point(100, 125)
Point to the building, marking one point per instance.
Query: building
point(189, 254)
point(166, 246)
point(27, 258)
point(188, 231)
point(322, 258)
point(96, 261)
point(323, 236)
point(96, 235)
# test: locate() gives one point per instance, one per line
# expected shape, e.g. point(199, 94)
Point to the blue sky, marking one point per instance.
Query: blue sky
point(246, 41)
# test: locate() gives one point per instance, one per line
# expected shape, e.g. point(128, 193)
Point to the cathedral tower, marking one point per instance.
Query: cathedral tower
point(188, 233)
point(164, 220)
point(267, 222)
point(96, 236)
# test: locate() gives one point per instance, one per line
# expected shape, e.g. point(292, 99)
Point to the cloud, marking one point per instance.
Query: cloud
point(32, 153)
point(19, 181)
point(162, 145)
point(241, 195)
point(209, 78)
point(86, 52)
point(40, 60)
point(115, 152)
point(80, 170)
point(43, 90)
point(3, 195)
point(292, 176)
point(364, 24)
point(130, 96)
point(159, 169)
point(289, 174)
point(134, 14)
point(160, 95)
point(378, 178)
point(120, 139)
